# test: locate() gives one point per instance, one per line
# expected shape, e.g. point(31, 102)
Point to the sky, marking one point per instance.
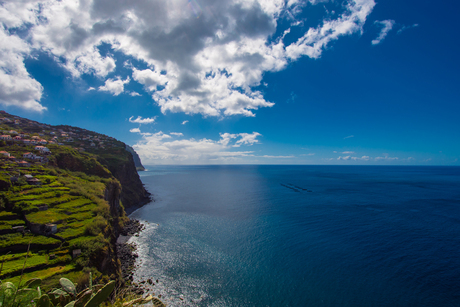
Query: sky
point(349, 82)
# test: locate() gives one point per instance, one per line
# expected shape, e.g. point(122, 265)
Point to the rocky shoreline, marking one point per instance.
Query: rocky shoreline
point(126, 253)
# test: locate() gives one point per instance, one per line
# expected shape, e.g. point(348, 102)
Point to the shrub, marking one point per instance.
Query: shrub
point(96, 227)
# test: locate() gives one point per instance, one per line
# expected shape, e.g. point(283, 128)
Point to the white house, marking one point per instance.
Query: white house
point(28, 155)
point(42, 149)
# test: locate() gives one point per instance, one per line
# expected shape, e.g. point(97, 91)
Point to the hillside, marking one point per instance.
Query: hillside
point(64, 193)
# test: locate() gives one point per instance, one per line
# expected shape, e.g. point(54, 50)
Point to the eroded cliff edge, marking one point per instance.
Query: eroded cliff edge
point(133, 193)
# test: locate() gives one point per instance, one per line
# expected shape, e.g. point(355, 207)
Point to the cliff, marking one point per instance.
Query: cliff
point(71, 194)
point(122, 166)
point(137, 160)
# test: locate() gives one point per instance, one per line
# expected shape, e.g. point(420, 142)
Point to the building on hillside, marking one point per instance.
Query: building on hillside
point(42, 149)
point(28, 155)
point(24, 164)
point(33, 181)
point(6, 137)
point(4, 153)
point(17, 138)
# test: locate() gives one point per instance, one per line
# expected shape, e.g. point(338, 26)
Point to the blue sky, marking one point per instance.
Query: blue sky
point(221, 82)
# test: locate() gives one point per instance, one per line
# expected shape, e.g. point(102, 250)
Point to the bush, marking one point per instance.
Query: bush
point(96, 227)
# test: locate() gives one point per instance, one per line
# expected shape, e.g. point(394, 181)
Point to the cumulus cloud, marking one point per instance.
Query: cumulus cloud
point(387, 25)
point(184, 122)
point(140, 120)
point(17, 87)
point(114, 86)
point(135, 130)
point(134, 94)
point(161, 148)
point(205, 59)
point(244, 138)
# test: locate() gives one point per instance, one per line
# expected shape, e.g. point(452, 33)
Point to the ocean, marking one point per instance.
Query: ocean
point(301, 235)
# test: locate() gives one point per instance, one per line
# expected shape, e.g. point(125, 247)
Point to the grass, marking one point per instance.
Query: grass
point(18, 239)
point(16, 265)
point(48, 216)
point(33, 196)
point(43, 274)
point(80, 240)
point(10, 224)
point(75, 203)
point(72, 232)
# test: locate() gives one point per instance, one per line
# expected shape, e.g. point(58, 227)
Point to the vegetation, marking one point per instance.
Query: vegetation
point(30, 294)
point(59, 210)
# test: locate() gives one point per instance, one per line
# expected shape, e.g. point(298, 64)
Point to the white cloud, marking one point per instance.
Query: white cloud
point(208, 65)
point(91, 89)
point(114, 86)
point(184, 122)
point(348, 158)
point(404, 28)
point(134, 94)
point(140, 120)
point(135, 130)
point(176, 133)
point(315, 40)
point(160, 148)
point(348, 152)
point(386, 158)
point(17, 87)
point(348, 137)
point(245, 138)
point(387, 26)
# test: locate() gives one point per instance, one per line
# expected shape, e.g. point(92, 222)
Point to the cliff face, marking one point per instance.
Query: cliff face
point(137, 160)
point(133, 194)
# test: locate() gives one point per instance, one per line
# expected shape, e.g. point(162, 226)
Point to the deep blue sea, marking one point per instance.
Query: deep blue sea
point(302, 235)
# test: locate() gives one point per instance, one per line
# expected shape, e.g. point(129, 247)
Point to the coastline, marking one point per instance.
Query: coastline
point(127, 252)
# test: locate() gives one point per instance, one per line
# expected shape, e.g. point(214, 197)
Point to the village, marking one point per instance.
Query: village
point(25, 142)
